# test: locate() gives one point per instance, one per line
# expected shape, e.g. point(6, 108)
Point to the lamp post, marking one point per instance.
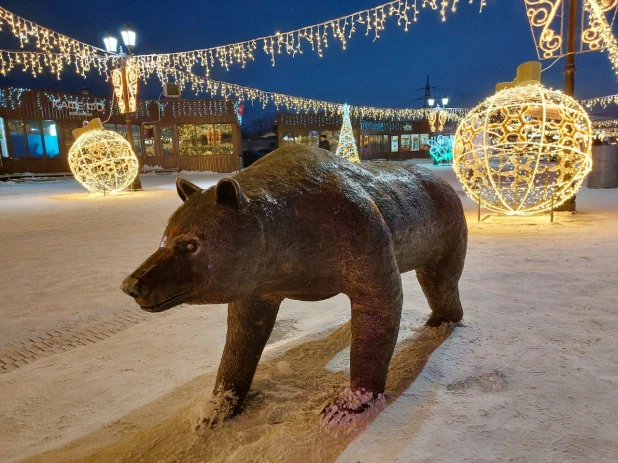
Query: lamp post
point(124, 81)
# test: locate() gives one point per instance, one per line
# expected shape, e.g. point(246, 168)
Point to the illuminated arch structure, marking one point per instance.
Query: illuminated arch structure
point(103, 161)
point(523, 150)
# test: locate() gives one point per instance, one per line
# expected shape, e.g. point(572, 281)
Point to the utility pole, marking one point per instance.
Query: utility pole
point(427, 96)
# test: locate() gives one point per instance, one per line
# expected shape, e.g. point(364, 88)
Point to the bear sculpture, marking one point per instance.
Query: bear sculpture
point(304, 224)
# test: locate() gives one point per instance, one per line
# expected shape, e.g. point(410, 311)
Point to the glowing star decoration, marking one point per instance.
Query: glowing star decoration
point(347, 145)
point(441, 148)
point(102, 161)
point(523, 150)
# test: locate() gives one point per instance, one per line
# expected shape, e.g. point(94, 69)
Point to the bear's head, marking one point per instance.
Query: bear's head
point(209, 253)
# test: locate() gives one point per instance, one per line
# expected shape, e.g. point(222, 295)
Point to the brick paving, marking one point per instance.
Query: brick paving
point(43, 345)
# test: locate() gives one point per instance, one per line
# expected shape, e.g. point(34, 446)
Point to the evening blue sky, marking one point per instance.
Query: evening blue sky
point(465, 56)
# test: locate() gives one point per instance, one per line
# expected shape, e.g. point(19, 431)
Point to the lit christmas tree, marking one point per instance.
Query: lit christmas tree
point(347, 145)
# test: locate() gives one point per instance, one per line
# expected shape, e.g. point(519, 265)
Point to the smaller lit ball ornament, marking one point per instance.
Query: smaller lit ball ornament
point(102, 161)
point(523, 150)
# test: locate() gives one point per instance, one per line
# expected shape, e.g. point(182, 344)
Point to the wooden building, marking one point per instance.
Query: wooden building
point(198, 135)
point(392, 140)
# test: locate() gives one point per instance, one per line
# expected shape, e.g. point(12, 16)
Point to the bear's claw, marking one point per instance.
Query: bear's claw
point(352, 403)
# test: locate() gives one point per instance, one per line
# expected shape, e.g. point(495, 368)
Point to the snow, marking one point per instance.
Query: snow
point(530, 375)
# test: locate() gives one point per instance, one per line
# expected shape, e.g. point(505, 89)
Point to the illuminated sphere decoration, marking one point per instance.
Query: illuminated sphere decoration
point(103, 161)
point(523, 150)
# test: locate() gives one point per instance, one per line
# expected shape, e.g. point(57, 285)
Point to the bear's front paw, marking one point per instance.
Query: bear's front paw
point(214, 411)
point(351, 405)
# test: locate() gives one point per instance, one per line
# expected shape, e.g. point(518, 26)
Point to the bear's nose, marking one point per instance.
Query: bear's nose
point(131, 287)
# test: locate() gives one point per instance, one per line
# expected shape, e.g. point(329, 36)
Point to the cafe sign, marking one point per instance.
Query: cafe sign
point(78, 108)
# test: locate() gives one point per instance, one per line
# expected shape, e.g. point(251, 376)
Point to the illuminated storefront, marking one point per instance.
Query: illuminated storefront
point(375, 140)
point(36, 131)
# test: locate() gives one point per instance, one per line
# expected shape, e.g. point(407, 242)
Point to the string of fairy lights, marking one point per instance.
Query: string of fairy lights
point(201, 84)
point(315, 37)
point(52, 50)
point(56, 51)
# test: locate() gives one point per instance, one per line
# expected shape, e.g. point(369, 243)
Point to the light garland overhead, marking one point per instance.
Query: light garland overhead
point(51, 49)
point(610, 123)
point(603, 101)
point(57, 52)
point(599, 23)
point(35, 62)
point(315, 37)
point(200, 84)
point(523, 150)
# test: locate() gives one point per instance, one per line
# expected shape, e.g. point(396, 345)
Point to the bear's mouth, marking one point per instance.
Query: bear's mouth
point(164, 305)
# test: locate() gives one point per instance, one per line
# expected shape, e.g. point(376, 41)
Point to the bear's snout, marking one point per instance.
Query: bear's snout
point(131, 287)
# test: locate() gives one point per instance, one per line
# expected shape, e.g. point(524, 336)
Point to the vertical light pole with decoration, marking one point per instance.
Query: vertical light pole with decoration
point(124, 81)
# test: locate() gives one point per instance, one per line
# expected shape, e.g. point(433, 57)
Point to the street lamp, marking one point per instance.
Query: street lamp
point(431, 101)
point(444, 101)
point(128, 37)
point(124, 80)
point(111, 43)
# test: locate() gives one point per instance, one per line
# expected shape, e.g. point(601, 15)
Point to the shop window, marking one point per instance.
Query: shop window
point(3, 132)
point(314, 138)
point(167, 140)
point(34, 131)
point(67, 135)
point(148, 136)
point(17, 135)
point(111, 127)
point(137, 140)
point(205, 139)
point(50, 135)
point(375, 144)
point(122, 130)
point(288, 138)
point(406, 142)
point(186, 139)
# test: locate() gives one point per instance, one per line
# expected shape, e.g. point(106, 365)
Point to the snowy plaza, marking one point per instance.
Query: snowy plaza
point(309, 232)
point(529, 376)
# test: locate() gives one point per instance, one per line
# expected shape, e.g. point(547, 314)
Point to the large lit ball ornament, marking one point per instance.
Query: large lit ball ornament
point(103, 161)
point(523, 150)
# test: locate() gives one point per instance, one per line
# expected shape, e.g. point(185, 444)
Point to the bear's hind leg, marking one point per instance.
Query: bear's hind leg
point(440, 284)
point(250, 322)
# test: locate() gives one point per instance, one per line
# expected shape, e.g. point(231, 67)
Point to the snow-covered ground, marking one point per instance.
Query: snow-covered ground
point(531, 375)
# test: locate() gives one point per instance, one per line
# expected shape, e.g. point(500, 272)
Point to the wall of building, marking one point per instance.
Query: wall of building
point(181, 134)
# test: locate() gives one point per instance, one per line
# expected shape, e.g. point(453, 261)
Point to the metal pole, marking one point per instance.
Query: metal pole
point(479, 213)
point(569, 70)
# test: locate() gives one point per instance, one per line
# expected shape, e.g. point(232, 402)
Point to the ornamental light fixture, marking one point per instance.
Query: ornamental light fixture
point(431, 101)
point(444, 100)
point(111, 43)
point(128, 37)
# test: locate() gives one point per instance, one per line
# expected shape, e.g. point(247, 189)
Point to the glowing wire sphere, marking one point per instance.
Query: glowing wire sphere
point(523, 150)
point(102, 161)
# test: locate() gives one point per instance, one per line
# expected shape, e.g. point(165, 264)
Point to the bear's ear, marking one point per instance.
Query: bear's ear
point(228, 192)
point(185, 188)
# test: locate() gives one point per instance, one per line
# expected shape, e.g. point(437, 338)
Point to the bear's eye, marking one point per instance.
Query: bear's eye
point(190, 247)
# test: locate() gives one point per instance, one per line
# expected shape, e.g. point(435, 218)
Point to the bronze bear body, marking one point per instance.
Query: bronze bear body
point(304, 224)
